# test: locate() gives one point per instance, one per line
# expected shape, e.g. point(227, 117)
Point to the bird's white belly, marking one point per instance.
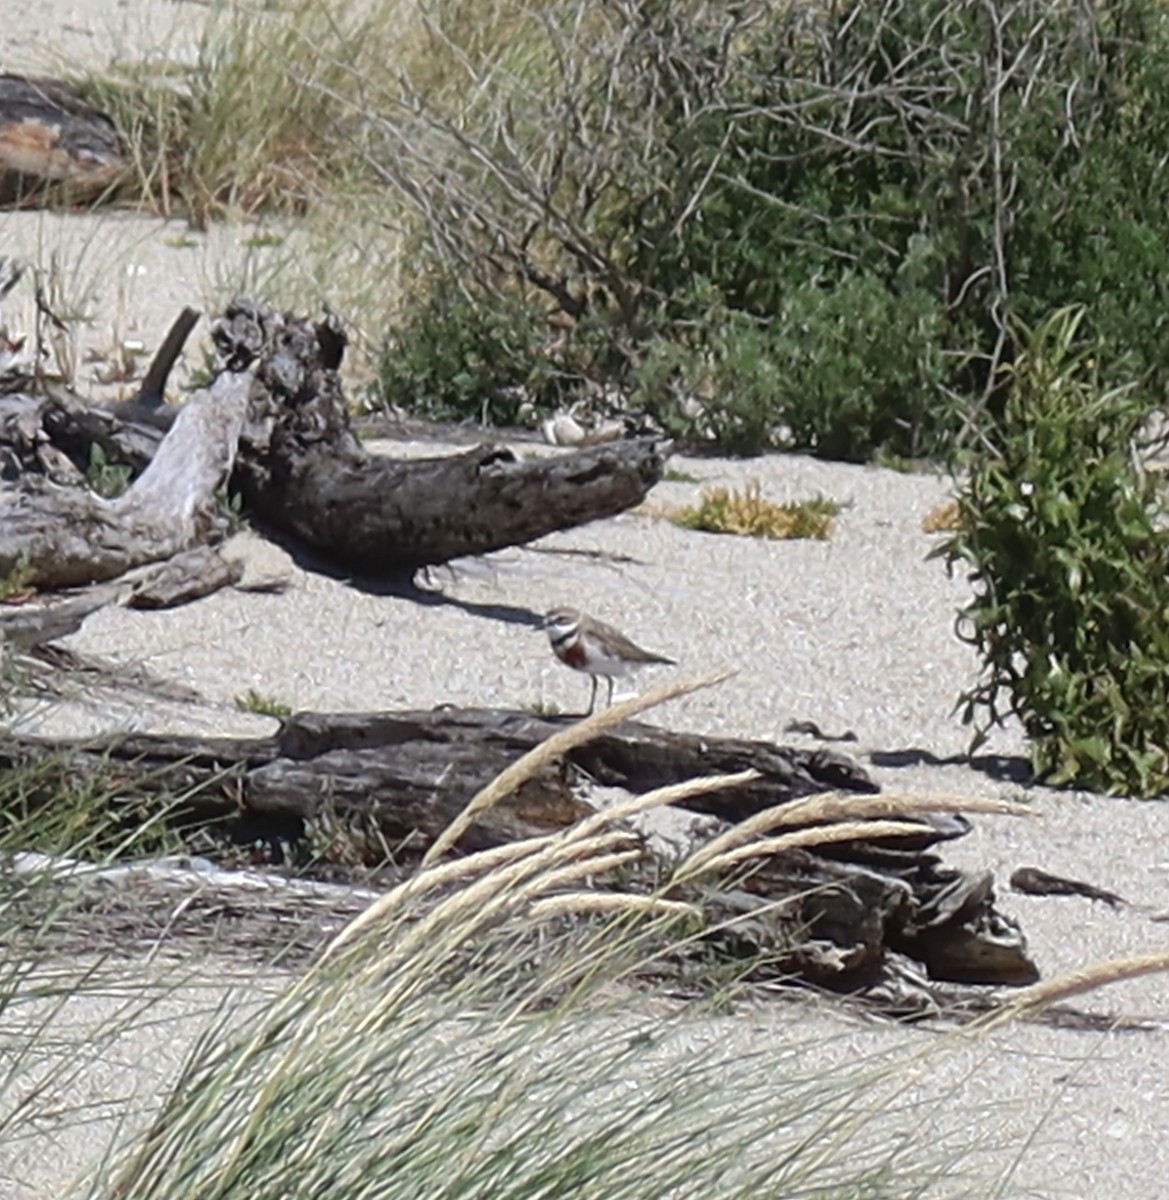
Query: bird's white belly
point(609, 668)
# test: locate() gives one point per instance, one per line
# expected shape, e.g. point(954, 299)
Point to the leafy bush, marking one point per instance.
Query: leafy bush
point(1067, 545)
point(454, 356)
point(809, 228)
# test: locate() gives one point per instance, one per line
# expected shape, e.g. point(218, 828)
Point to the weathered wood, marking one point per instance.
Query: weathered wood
point(53, 434)
point(300, 470)
point(304, 474)
point(62, 536)
point(402, 777)
point(187, 576)
point(53, 143)
point(1036, 882)
point(27, 626)
point(152, 390)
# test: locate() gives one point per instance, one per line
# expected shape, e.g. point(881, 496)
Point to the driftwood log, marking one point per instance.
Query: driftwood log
point(833, 915)
point(303, 475)
point(54, 143)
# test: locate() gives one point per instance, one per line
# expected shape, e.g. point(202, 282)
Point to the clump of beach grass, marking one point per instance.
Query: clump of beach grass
point(748, 513)
point(252, 701)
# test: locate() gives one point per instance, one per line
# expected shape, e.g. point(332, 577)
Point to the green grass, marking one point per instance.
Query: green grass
point(104, 477)
point(267, 706)
point(17, 583)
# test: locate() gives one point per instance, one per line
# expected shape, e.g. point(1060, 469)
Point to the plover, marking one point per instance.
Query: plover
point(586, 644)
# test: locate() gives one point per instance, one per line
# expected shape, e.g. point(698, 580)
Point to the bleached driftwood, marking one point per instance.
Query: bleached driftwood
point(64, 536)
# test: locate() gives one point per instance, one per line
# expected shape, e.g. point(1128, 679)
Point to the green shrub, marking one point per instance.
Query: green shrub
point(1066, 542)
point(810, 228)
point(456, 356)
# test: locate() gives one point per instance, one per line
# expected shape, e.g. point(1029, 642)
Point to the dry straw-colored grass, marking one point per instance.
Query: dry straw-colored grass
point(838, 806)
point(443, 1045)
point(501, 870)
point(434, 1047)
point(942, 519)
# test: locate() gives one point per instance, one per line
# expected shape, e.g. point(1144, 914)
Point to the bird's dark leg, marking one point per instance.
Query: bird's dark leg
point(592, 696)
point(610, 679)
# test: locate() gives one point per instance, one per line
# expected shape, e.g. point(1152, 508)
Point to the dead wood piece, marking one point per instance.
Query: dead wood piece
point(404, 775)
point(63, 537)
point(856, 913)
point(185, 577)
point(380, 517)
point(28, 626)
point(53, 141)
point(127, 436)
point(634, 756)
point(153, 387)
point(411, 795)
point(304, 474)
point(1035, 882)
point(180, 902)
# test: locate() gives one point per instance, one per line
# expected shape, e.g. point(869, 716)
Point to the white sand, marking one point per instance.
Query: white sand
point(855, 633)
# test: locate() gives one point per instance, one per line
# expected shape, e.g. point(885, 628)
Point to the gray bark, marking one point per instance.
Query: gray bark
point(52, 142)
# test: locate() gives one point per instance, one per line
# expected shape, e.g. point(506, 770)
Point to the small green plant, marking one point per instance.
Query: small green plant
point(17, 583)
point(229, 507)
point(1065, 540)
point(108, 479)
point(253, 702)
point(670, 475)
point(748, 514)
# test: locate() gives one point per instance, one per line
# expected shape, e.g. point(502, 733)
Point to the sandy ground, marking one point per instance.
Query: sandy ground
point(855, 634)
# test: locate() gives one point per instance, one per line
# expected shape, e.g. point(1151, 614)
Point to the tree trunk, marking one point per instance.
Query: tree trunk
point(305, 475)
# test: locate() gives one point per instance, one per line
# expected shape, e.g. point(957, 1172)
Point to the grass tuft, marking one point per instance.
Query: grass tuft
point(267, 706)
point(748, 514)
point(17, 584)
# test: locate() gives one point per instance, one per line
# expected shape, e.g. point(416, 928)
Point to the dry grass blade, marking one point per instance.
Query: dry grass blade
point(840, 806)
point(820, 835)
point(527, 858)
point(572, 903)
point(558, 744)
point(594, 865)
point(477, 896)
point(670, 794)
point(1077, 983)
point(479, 863)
